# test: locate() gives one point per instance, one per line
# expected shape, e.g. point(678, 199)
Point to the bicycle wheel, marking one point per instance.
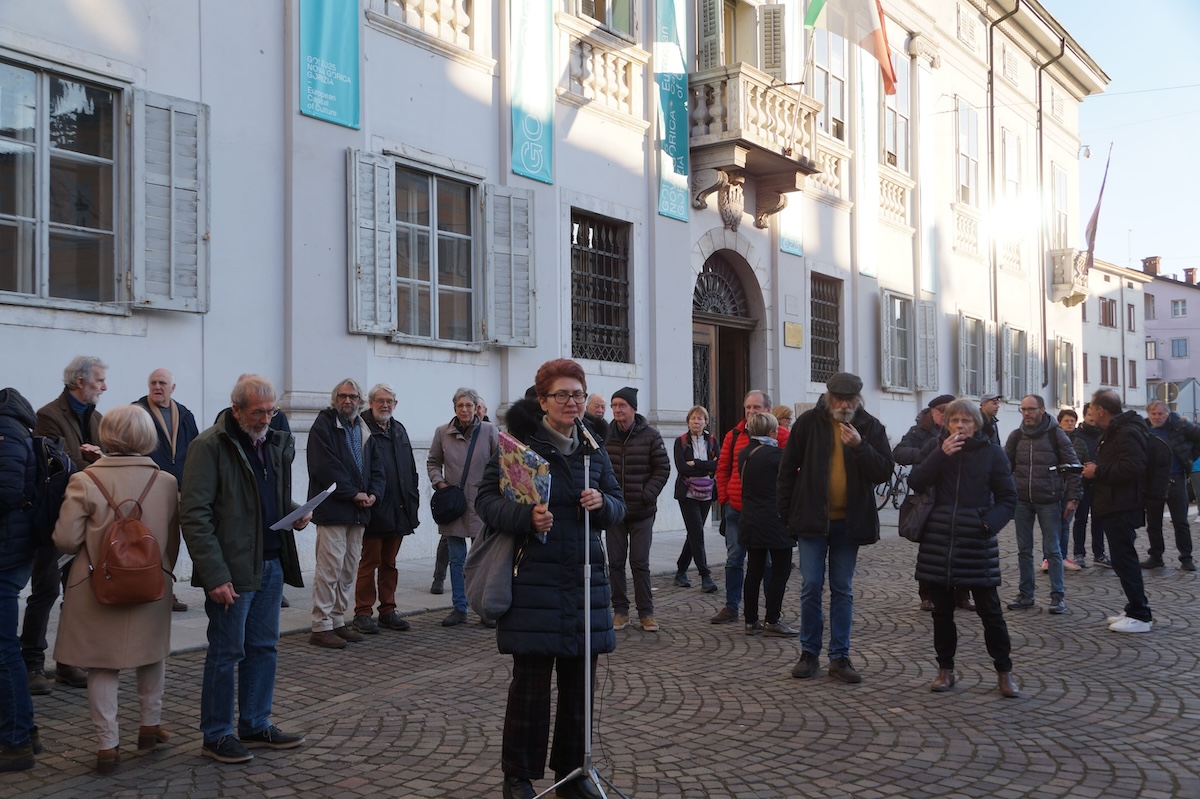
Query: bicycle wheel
point(882, 492)
point(900, 492)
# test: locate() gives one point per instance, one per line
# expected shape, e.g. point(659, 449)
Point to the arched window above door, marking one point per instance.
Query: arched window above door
point(719, 290)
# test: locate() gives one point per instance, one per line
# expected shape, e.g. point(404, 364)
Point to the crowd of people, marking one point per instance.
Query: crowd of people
point(784, 485)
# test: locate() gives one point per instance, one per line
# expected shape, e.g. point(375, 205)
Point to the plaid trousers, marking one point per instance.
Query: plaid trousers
point(527, 720)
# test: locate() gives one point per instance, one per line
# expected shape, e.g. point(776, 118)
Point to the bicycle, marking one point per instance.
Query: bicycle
point(895, 489)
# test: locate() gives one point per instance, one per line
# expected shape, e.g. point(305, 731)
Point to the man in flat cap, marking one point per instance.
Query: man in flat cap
point(834, 457)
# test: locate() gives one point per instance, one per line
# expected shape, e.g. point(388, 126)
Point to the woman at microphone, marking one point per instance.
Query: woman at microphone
point(544, 628)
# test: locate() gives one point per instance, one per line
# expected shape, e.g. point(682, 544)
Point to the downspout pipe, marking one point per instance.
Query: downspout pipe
point(991, 133)
point(1043, 236)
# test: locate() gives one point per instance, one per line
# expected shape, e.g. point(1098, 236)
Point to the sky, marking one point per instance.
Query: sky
point(1149, 50)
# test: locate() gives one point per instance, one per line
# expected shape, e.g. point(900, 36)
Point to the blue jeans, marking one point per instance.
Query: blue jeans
point(16, 707)
point(456, 546)
point(842, 555)
point(242, 637)
point(1048, 517)
point(735, 562)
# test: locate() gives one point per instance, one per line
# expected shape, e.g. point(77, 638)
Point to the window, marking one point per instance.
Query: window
point(614, 14)
point(1108, 312)
point(1130, 317)
point(908, 343)
point(1151, 313)
point(829, 79)
point(1056, 103)
point(1178, 308)
point(1059, 221)
point(896, 115)
point(599, 288)
point(418, 272)
point(826, 309)
point(1179, 348)
point(1084, 360)
point(1015, 360)
point(1109, 371)
point(1083, 310)
point(968, 154)
point(1012, 165)
point(900, 340)
point(1133, 374)
point(974, 360)
point(1008, 62)
point(1151, 350)
point(1064, 361)
point(67, 217)
point(966, 27)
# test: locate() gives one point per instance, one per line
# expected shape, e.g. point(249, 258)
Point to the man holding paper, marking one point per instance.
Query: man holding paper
point(237, 482)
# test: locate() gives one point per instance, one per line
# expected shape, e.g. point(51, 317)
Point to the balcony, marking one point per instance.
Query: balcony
point(745, 127)
point(1068, 281)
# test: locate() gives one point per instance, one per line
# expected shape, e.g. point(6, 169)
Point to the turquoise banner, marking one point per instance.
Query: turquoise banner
point(671, 76)
point(329, 84)
point(532, 88)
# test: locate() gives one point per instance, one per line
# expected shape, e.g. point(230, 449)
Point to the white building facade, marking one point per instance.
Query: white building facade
point(1114, 334)
point(169, 200)
point(1172, 308)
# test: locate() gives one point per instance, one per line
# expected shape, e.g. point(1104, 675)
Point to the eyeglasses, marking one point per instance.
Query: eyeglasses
point(383, 401)
point(353, 397)
point(563, 397)
point(1029, 410)
point(261, 414)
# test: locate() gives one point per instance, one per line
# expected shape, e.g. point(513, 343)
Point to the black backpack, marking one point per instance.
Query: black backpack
point(53, 471)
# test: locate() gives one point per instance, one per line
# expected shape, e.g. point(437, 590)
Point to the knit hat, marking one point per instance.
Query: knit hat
point(627, 393)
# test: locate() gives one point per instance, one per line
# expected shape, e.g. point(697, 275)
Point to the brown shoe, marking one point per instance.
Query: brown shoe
point(150, 737)
point(177, 606)
point(963, 597)
point(724, 616)
point(328, 639)
point(38, 684)
point(943, 682)
point(348, 633)
point(927, 605)
point(107, 760)
point(649, 624)
point(1008, 686)
point(71, 675)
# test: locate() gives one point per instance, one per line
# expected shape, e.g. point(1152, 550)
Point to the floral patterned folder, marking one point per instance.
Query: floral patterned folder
point(524, 475)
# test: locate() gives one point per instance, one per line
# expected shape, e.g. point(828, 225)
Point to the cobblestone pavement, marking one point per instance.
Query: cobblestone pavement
point(700, 710)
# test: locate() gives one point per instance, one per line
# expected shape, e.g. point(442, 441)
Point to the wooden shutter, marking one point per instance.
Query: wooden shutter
point(988, 378)
point(371, 243)
point(927, 354)
point(510, 277)
point(962, 353)
point(170, 258)
point(771, 40)
point(711, 50)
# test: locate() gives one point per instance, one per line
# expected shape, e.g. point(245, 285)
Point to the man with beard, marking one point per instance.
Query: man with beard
point(237, 482)
point(834, 457)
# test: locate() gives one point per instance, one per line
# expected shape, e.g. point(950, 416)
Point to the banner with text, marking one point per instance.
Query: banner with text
point(329, 61)
point(670, 73)
point(532, 89)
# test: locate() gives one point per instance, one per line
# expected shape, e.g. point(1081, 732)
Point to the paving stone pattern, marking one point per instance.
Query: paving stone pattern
point(701, 710)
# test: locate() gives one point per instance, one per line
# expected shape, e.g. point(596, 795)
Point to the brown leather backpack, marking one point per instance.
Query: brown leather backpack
point(128, 569)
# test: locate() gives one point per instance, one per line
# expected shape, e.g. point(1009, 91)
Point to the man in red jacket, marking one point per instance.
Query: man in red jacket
point(729, 494)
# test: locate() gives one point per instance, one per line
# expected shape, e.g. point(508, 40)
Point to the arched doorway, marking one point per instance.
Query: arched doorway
point(721, 328)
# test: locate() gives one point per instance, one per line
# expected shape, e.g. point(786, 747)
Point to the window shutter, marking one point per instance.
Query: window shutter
point(510, 280)
point(927, 356)
point(371, 244)
point(887, 330)
point(711, 53)
point(170, 259)
point(962, 353)
point(989, 358)
point(1033, 378)
point(771, 40)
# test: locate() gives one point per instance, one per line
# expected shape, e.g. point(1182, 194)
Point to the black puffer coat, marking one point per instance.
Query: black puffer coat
point(975, 499)
point(546, 617)
point(1120, 466)
point(17, 477)
point(396, 512)
point(1034, 458)
point(759, 526)
point(642, 466)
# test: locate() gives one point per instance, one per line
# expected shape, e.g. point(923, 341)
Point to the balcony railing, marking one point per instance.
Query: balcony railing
point(1068, 281)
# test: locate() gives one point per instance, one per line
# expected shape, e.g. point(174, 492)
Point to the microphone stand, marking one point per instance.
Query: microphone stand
point(587, 771)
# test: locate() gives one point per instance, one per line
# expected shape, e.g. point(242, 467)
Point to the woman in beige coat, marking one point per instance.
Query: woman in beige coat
point(106, 638)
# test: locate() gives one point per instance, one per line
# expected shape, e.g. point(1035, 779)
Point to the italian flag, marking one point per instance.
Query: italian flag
point(850, 19)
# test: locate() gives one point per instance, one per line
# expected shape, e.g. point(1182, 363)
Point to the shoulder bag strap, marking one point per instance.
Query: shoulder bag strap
point(470, 451)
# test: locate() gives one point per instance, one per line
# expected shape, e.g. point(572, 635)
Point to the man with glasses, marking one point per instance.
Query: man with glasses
point(834, 458)
point(237, 482)
point(341, 453)
point(642, 467)
point(1036, 451)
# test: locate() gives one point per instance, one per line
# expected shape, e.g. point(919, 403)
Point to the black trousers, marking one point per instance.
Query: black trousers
point(695, 514)
point(1121, 531)
point(527, 720)
point(1177, 504)
point(756, 564)
point(44, 583)
point(945, 633)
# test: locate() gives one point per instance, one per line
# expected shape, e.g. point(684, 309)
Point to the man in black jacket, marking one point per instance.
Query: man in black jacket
point(834, 457)
point(1117, 479)
point(1183, 439)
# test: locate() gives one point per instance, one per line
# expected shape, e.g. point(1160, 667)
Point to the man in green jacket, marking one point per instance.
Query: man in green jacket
point(237, 482)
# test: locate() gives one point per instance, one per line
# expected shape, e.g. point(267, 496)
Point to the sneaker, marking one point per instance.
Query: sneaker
point(16, 758)
point(1070, 565)
point(724, 616)
point(71, 675)
point(1021, 603)
point(707, 585)
point(620, 621)
point(227, 750)
point(1102, 560)
point(1058, 605)
point(754, 627)
point(1130, 625)
point(393, 621)
point(806, 667)
point(1115, 619)
point(272, 738)
point(840, 669)
point(455, 618)
point(1045, 566)
point(326, 638)
point(779, 630)
point(1080, 561)
point(38, 684)
point(1187, 565)
point(649, 625)
point(1152, 563)
point(681, 580)
point(283, 603)
point(347, 633)
point(365, 625)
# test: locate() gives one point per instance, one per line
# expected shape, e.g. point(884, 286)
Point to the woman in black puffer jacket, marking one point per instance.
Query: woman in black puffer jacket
point(976, 497)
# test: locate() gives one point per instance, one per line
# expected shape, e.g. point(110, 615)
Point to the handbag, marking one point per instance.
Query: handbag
point(449, 502)
point(489, 572)
point(914, 512)
point(699, 488)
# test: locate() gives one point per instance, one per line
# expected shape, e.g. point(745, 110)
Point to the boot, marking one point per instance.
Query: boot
point(150, 737)
point(107, 760)
point(1008, 685)
point(943, 682)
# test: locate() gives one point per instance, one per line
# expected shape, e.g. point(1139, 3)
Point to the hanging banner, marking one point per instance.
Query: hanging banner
point(531, 88)
point(670, 73)
point(329, 61)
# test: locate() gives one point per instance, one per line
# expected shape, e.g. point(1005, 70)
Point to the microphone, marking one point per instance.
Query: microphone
point(585, 435)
